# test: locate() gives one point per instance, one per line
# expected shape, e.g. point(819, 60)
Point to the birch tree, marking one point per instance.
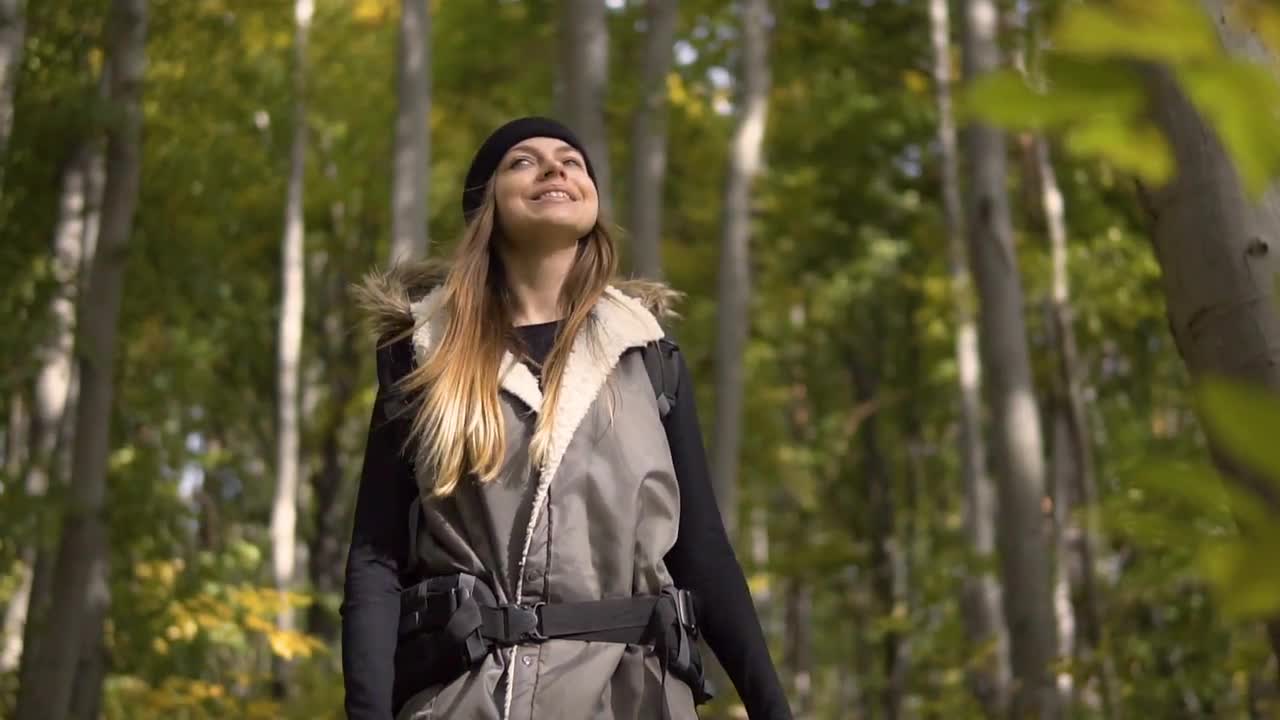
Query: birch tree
point(734, 283)
point(1017, 442)
point(284, 508)
point(649, 140)
point(1213, 241)
point(412, 154)
point(13, 37)
point(52, 389)
point(981, 601)
point(83, 547)
point(583, 77)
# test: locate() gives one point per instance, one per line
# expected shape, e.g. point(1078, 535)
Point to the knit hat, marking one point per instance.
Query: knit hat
point(499, 142)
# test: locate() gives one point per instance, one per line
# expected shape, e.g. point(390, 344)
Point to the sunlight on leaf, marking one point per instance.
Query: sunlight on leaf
point(1241, 101)
point(1168, 30)
point(1243, 420)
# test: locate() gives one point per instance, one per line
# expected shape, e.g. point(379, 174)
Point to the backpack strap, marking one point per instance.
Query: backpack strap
point(660, 362)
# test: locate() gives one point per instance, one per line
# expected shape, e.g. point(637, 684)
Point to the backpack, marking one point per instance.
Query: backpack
point(664, 373)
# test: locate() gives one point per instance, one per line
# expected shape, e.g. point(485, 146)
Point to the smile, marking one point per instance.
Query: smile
point(553, 196)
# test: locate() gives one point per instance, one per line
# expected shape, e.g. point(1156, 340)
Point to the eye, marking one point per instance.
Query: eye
point(516, 162)
point(572, 161)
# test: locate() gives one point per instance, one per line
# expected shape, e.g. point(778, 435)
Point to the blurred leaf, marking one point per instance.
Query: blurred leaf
point(1129, 145)
point(1245, 574)
point(1165, 30)
point(1241, 101)
point(1243, 419)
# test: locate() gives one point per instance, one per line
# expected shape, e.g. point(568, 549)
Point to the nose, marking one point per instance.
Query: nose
point(554, 167)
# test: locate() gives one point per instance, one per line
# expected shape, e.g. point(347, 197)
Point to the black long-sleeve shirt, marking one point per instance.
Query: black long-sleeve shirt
point(702, 560)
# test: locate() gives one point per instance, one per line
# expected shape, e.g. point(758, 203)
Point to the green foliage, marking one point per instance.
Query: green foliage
point(1093, 87)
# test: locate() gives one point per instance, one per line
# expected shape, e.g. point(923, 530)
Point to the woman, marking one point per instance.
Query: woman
point(517, 440)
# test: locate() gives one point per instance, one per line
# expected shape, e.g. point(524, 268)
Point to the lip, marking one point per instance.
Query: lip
point(536, 197)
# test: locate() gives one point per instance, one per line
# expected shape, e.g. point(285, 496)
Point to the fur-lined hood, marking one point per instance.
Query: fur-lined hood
point(386, 298)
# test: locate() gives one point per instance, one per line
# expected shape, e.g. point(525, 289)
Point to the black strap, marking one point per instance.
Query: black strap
point(660, 363)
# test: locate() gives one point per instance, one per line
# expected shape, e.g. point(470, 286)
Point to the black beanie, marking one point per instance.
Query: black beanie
point(499, 142)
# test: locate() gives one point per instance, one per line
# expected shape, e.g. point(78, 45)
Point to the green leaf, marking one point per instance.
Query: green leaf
point(1131, 145)
point(1244, 575)
point(1077, 90)
point(1241, 101)
point(1242, 418)
point(1172, 31)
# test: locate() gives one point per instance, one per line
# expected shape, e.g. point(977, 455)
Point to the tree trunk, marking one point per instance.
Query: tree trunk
point(1213, 242)
point(83, 550)
point(734, 280)
point(339, 352)
point(284, 508)
point(649, 141)
point(798, 619)
point(13, 37)
point(981, 602)
point(91, 668)
point(865, 373)
point(53, 385)
point(412, 162)
point(1018, 446)
point(1075, 504)
point(583, 76)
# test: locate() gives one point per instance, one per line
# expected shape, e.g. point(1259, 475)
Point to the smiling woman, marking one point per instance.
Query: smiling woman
point(531, 530)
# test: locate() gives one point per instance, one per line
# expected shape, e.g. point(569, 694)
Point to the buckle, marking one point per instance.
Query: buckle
point(685, 611)
point(523, 623)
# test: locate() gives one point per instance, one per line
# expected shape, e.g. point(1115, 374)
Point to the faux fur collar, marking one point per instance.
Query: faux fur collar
point(406, 300)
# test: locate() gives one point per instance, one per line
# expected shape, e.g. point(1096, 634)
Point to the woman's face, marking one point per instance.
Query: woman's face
point(542, 191)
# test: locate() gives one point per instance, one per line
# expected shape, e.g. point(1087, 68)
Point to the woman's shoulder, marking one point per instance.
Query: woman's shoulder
point(385, 297)
point(655, 296)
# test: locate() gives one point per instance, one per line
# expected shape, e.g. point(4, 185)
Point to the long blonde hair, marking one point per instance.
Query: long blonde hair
point(457, 427)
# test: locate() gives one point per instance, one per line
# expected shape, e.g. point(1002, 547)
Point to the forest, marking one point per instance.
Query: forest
point(979, 302)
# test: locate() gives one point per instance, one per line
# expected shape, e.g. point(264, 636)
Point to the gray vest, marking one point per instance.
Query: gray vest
point(594, 522)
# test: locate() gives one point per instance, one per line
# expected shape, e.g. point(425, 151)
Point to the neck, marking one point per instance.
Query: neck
point(535, 277)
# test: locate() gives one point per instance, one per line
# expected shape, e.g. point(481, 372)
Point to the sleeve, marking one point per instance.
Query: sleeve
point(703, 561)
point(378, 553)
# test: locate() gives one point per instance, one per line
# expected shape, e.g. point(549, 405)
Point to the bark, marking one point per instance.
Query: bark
point(16, 429)
point(83, 549)
point(1018, 445)
point(981, 602)
point(734, 291)
point(583, 77)
point(339, 356)
point(284, 508)
point(865, 375)
point(798, 600)
point(798, 648)
point(1075, 491)
point(1214, 244)
point(13, 36)
point(412, 161)
point(52, 389)
point(649, 141)
point(91, 669)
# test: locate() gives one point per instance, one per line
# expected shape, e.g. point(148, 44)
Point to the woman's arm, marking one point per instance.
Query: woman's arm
point(379, 546)
point(702, 560)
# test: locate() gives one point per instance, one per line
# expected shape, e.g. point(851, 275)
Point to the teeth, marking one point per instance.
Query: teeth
point(558, 194)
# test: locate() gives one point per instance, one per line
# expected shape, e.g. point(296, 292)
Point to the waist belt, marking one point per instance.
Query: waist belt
point(621, 620)
point(448, 624)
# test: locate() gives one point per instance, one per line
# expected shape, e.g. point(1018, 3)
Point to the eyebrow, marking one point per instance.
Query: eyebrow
point(534, 151)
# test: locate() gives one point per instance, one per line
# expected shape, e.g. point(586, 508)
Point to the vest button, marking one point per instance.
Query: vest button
point(532, 575)
point(527, 660)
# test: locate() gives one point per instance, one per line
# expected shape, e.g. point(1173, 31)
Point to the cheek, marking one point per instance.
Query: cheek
point(505, 198)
